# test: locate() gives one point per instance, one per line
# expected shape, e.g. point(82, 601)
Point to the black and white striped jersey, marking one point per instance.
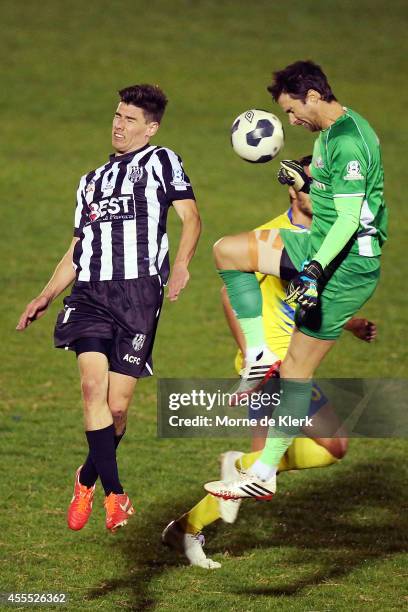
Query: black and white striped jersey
point(121, 214)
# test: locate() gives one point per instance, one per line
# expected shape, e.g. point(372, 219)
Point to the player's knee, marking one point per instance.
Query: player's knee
point(119, 412)
point(288, 367)
point(220, 249)
point(92, 389)
point(337, 447)
point(342, 447)
point(292, 367)
point(119, 405)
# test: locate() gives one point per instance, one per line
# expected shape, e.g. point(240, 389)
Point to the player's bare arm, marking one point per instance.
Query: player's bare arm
point(188, 212)
point(63, 276)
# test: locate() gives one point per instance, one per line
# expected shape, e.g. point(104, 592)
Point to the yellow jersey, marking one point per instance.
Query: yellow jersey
point(278, 316)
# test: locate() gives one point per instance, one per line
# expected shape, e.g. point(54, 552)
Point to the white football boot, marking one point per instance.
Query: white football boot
point(229, 507)
point(255, 375)
point(246, 486)
point(189, 544)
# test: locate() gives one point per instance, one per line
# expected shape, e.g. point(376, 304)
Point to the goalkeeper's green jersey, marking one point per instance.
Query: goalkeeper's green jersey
point(346, 163)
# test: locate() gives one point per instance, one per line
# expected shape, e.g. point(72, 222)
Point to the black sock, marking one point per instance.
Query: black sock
point(88, 474)
point(103, 454)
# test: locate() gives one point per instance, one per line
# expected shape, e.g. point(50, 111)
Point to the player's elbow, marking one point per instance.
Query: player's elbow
point(198, 224)
point(192, 222)
point(349, 216)
point(190, 214)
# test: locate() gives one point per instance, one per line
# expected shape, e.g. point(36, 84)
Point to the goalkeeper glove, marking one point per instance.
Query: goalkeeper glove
point(303, 289)
point(292, 173)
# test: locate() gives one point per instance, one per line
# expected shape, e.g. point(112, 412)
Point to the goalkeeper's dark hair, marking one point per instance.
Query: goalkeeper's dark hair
point(150, 98)
point(298, 78)
point(305, 161)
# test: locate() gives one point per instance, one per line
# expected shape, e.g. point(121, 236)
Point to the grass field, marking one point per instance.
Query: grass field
point(332, 539)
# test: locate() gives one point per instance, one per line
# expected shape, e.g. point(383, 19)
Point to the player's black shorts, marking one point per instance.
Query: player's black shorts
point(124, 312)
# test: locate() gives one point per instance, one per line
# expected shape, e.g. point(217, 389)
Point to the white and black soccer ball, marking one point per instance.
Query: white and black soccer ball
point(257, 136)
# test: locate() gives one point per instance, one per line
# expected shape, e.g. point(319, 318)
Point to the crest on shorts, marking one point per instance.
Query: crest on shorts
point(138, 342)
point(135, 174)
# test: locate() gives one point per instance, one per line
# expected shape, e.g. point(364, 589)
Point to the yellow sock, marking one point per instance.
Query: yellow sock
point(302, 454)
point(202, 514)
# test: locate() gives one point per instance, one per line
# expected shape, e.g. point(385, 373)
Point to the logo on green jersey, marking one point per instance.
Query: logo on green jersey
point(353, 171)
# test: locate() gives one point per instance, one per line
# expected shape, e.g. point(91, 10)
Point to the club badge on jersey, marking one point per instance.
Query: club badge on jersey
point(135, 174)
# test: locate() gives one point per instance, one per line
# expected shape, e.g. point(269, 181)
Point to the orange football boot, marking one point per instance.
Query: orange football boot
point(80, 507)
point(118, 509)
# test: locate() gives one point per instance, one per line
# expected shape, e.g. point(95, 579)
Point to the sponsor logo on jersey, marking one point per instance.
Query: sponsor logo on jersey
point(138, 342)
point(179, 179)
point(112, 208)
point(131, 359)
point(135, 174)
point(353, 171)
point(319, 185)
point(319, 162)
point(94, 213)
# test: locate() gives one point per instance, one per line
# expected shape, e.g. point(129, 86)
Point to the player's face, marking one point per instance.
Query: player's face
point(302, 201)
point(130, 130)
point(299, 112)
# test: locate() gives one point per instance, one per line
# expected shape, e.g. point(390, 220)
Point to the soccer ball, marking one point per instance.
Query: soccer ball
point(257, 136)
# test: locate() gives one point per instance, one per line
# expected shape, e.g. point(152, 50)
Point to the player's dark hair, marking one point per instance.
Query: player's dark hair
point(305, 161)
point(150, 98)
point(296, 80)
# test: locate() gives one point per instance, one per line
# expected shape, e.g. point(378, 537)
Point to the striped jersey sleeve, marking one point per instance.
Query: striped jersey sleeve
point(175, 182)
point(80, 209)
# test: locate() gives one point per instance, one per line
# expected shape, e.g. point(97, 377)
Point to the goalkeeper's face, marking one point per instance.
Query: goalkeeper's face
point(301, 113)
point(301, 201)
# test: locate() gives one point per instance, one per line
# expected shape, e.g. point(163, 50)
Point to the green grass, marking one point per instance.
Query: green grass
point(332, 539)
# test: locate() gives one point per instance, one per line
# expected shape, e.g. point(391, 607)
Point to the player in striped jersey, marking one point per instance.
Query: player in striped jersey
point(119, 261)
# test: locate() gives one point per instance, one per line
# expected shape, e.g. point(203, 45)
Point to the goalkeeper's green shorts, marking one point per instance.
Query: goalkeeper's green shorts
point(351, 285)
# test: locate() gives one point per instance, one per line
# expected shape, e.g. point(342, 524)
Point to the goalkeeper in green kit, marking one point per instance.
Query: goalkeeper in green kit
point(331, 271)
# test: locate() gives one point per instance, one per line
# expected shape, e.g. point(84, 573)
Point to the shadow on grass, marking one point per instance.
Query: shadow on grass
point(337, 524)
point(334, 523)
